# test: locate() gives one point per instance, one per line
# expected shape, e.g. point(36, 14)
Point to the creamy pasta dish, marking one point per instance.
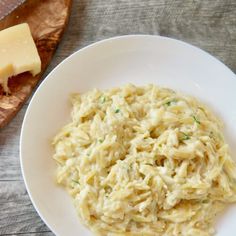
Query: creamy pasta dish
point(144, 161)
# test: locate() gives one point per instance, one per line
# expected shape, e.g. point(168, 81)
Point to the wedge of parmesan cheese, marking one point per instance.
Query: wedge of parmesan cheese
point(6, 72)
point(18, 53)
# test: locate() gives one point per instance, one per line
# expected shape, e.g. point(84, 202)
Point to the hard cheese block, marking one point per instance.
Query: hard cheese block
point(6, 72)
point(18, 53)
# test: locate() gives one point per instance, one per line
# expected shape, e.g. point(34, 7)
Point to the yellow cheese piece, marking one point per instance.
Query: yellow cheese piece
point(17, 48)
point(6, 72)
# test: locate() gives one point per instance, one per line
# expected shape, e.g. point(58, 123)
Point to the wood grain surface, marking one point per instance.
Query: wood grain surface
point(47, 20)
point(209, 24)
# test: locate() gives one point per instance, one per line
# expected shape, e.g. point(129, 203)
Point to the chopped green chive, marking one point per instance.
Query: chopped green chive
point(117, 110)
point(103, 99)
point(75, 181)
point(100, 140)
point(196, 120)
point(202, 109)
point(170, 102)
point(185, 136)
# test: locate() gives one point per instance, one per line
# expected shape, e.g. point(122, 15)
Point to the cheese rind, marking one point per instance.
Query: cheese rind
point(17, 48)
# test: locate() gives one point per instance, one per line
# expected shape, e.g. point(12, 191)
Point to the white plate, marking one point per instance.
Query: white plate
point(115, 62)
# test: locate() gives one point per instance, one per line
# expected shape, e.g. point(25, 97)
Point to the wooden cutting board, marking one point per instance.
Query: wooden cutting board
point(47, 20)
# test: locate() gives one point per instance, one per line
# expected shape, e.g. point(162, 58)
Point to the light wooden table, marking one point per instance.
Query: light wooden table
point(208, 24)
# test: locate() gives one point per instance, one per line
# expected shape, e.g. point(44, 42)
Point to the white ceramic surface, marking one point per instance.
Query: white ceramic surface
point(115, 62)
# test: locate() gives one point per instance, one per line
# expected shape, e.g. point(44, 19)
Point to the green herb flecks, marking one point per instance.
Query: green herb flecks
point(75, 181)
point(103, 99)
point(196, 119)
point(117, 110)
point(170, 102)
point(184, 136)
point(202, 109)
point(100, 140)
